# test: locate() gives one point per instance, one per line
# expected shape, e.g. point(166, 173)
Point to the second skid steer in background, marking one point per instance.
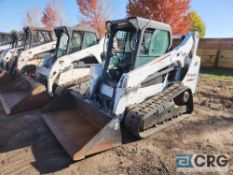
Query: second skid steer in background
point(144, 85)
point(17, 91)
point(5, 41)
point(17, 45)
point(77, 49)
point(39, 43)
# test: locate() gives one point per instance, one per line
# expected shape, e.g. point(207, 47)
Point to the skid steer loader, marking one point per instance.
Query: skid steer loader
point(143, 86)
point(5, 41)
point(77, 48)
point(39, 43)
point(17, 91)
point(17, 41)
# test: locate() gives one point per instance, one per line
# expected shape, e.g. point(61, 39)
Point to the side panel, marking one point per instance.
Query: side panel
point(8, 55)
point(191, 78)
point(95, 74)
point(65, 64)
point(72, 75)
point(4, 47)
point(129, 89)
point(27, 57)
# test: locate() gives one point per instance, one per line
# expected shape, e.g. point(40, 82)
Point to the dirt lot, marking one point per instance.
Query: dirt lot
point(28, 147)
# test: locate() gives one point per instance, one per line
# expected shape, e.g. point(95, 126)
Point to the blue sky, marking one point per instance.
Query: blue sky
point(217, 15)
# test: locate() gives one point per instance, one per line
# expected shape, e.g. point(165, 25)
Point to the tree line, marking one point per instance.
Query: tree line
point(94, 13)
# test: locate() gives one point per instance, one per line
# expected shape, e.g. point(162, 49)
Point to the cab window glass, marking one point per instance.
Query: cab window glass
point(154, 44)
point(62, 45)
point(76, 42)
point(90, 39)
point(38, 39)
point(47, 36)
point(121, 50)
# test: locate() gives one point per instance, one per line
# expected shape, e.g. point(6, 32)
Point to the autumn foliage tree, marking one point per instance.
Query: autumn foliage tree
point(94, 13)
point(173, 12)
point(197, 24)
point(52, 16)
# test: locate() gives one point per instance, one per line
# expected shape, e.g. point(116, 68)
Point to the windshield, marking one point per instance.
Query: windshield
point(121, 50)
point(62, 45)
point(76, 42)
point(41, 37)
point(155, 43)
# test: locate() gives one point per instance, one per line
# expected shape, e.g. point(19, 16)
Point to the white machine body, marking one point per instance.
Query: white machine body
point(8, 54)
point(33, 56)
point(4, 47)
point(28, 49)
point(64, 69)
point(129, 91)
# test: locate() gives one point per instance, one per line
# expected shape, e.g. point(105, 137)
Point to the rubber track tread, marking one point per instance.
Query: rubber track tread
point(135, 114)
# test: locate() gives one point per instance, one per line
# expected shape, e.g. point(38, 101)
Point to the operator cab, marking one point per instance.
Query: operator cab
point(36, 36)
point(134, 42)
point(71, 40)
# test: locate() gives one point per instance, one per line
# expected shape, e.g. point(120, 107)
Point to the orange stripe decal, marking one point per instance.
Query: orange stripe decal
point(188, 80)
point(161, 59)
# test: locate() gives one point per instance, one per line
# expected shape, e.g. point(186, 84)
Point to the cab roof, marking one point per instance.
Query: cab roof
point(138, 23)
point(33, 28)
point(77, 28)
point(5, 33)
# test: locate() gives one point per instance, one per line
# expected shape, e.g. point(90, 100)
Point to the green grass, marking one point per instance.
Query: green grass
point(217, 74)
